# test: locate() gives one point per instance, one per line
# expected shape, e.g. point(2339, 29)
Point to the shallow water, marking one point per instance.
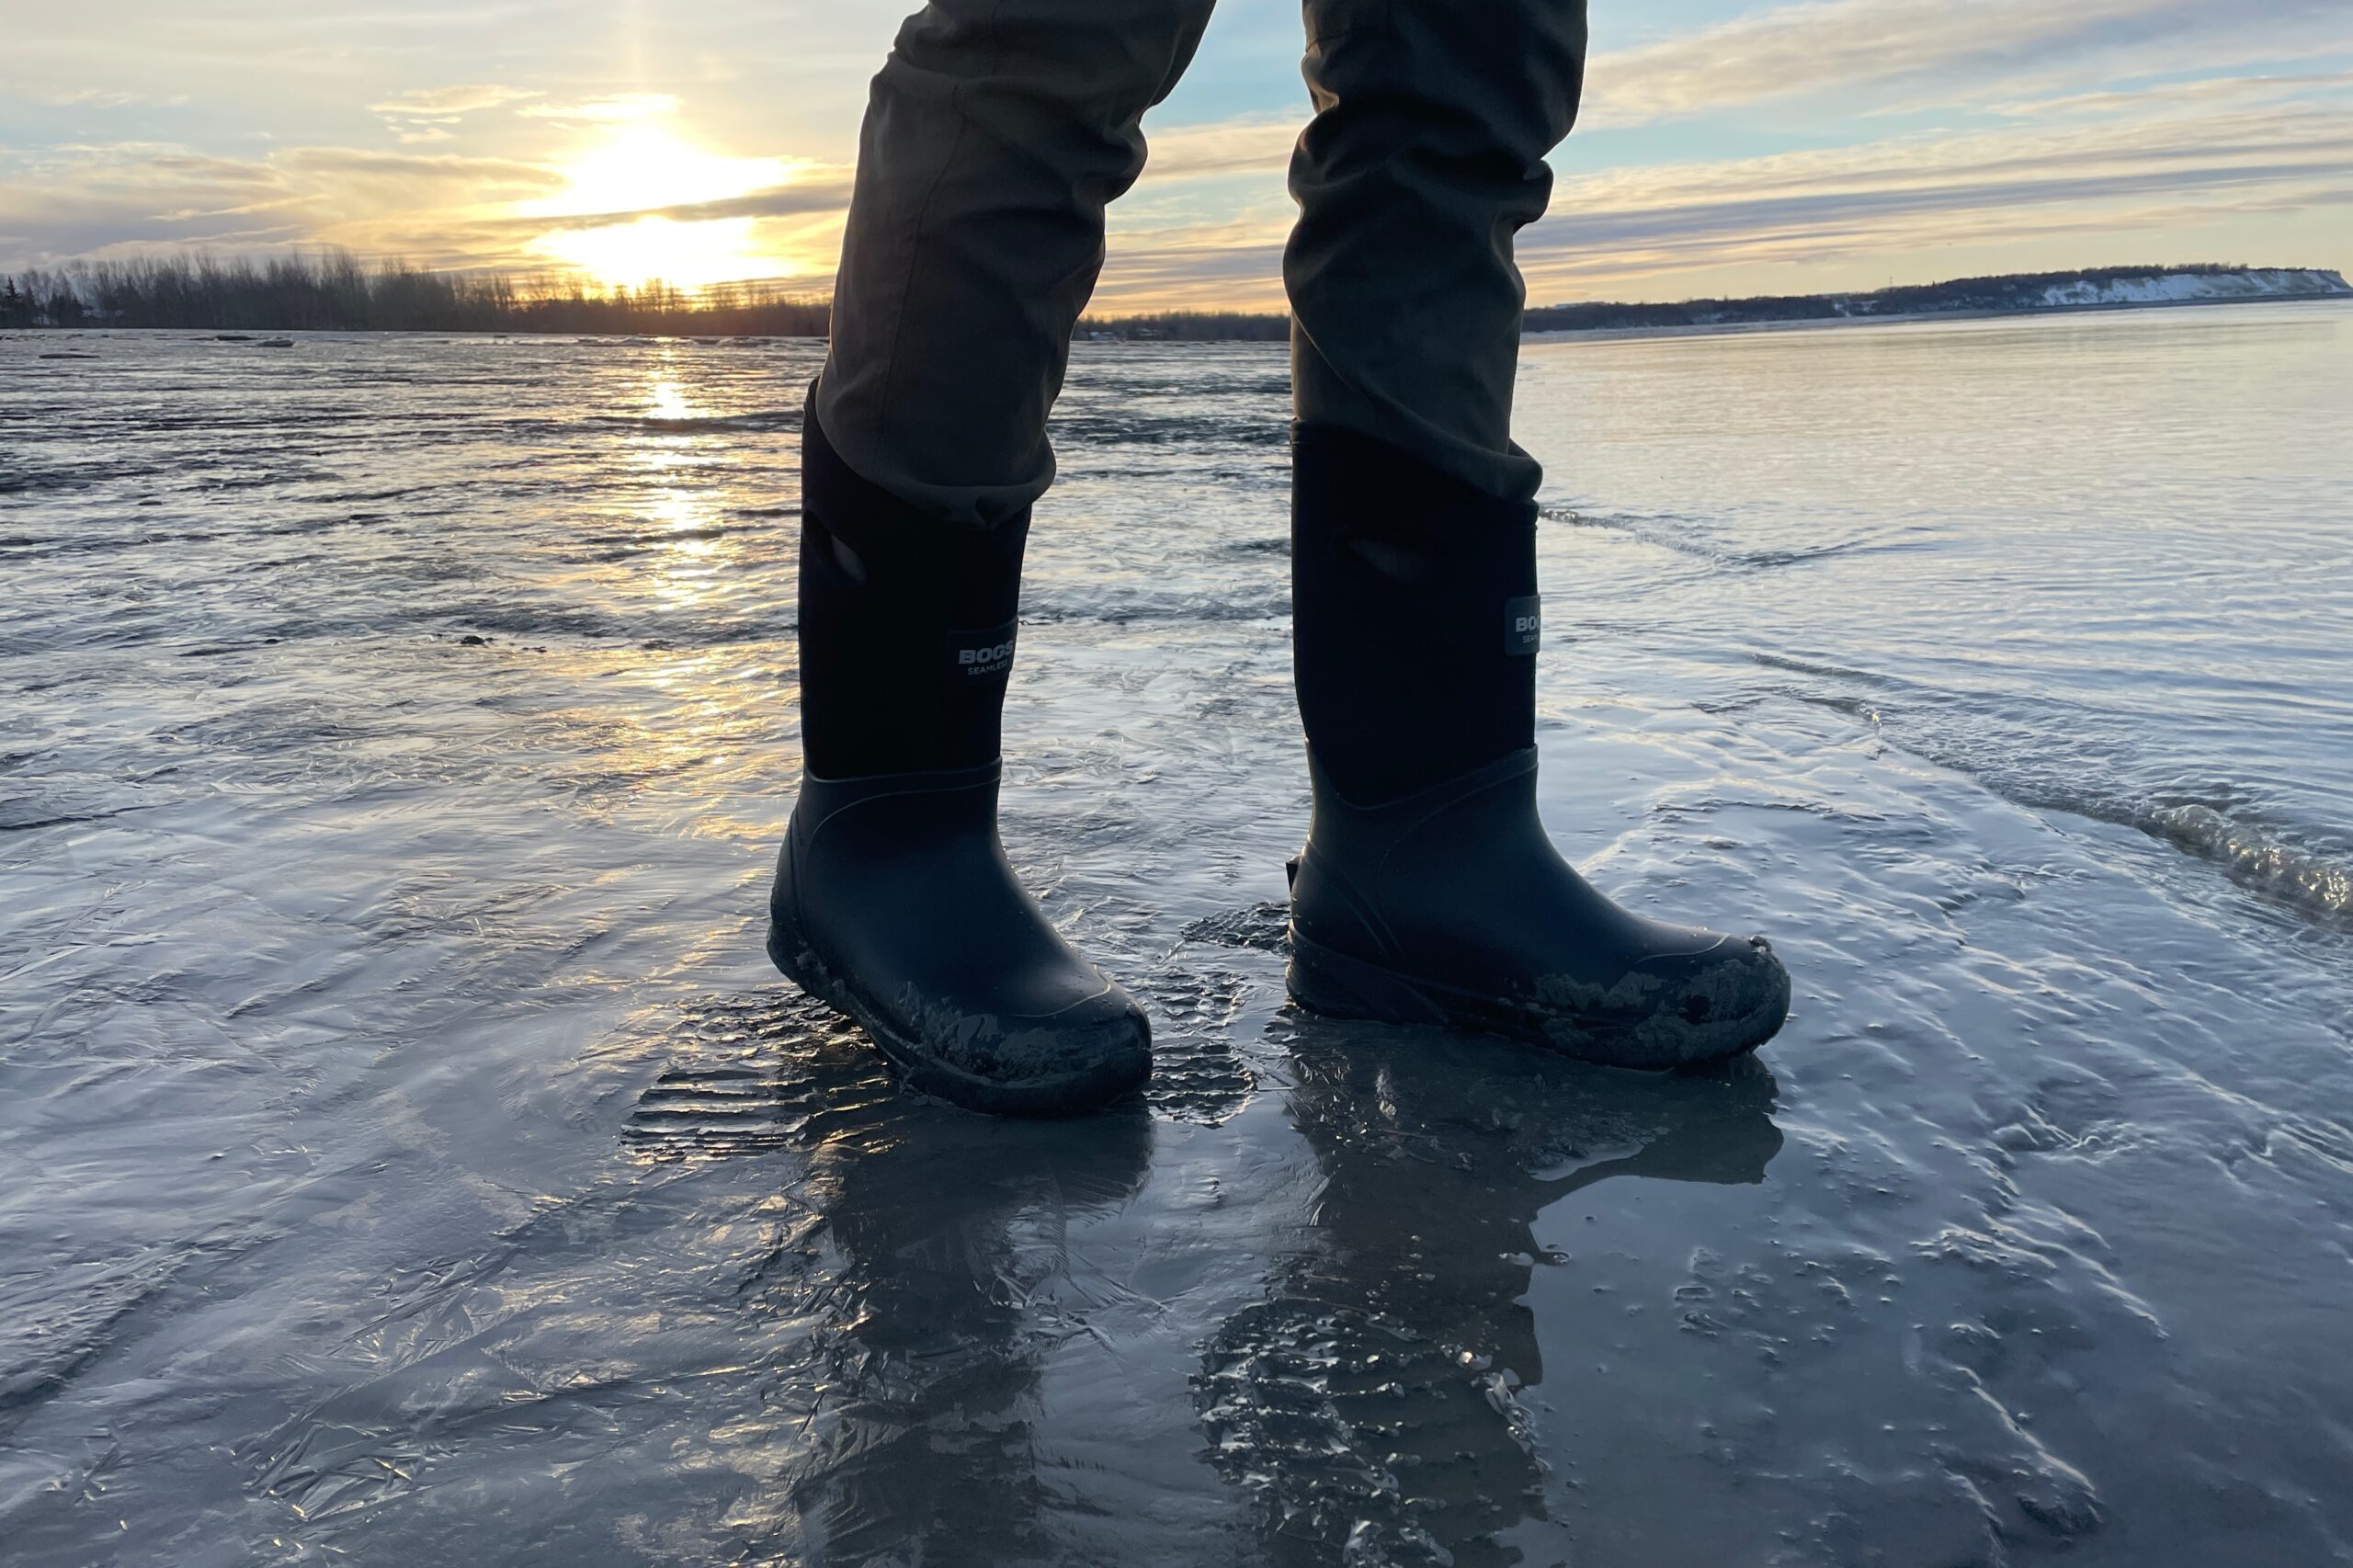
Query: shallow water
point(406, 1155)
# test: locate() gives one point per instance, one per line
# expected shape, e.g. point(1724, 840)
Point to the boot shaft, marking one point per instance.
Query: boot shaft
point(907, 625)
point(1415, 617)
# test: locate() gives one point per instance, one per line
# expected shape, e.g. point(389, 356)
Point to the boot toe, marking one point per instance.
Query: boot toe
point(1074, 1059)
point(1723, 1001)
point(894, 904)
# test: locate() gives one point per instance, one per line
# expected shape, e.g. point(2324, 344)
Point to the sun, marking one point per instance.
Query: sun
point(647, 180)
point(683, 255)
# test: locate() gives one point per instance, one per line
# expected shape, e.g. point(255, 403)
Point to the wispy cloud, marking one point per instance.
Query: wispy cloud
point(439, 210)
point(825, 194)
point(619, 108)
point(1916, 196)
point(2157, 98)
point(2214, 153)
point(99, 98)
point(426, 114)
point(1826, 46)
point(449, 102)
point(1253, 143)
point(120, 198)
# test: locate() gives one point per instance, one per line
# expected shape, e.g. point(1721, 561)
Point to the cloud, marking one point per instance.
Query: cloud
point(439, 176)
point(2061, 120)
point(438, 210)
point(450, 102)
point(1262, 146)
point(1901, 197)
point(1209, 222)
point(827, 194)
point(120, 198)
point(2157, 97)
point(1823, 48)
point(617, 108)
point(1233, 146)
point(95, 97)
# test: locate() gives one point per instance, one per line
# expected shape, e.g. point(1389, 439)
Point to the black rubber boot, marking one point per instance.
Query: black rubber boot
point(893, 900)
point(1428, 890)
point(894, 904)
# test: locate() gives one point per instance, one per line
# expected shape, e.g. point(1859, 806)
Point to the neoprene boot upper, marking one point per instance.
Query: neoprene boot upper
point(893, 900)
point(1428, 890)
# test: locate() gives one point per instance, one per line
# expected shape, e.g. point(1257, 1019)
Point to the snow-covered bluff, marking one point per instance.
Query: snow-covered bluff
point(2171, 287)
point(2087, 289)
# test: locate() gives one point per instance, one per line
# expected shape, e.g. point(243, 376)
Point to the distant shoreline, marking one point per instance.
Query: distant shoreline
point(1555, 335)
point(1804, 324)
point(336, 293)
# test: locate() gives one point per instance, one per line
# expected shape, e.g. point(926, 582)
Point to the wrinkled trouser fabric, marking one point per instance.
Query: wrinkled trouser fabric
point(999, 130)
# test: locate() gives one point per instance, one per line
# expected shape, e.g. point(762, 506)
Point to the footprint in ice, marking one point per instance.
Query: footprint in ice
point(1196, 1074)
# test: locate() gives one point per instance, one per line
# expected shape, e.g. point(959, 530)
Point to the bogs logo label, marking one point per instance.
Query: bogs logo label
point(978, 655)
point(1523, 625)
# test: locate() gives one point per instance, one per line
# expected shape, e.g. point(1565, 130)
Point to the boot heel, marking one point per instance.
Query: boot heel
point(783, 949)
point(1333, 984)
point(789, 951)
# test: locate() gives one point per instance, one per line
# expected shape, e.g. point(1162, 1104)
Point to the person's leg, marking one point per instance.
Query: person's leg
point(1428, 890)
point(998, 131)
point(1424, 157)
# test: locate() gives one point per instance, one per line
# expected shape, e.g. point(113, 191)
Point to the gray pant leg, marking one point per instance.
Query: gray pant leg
point(997, 134)
point(1425, 157)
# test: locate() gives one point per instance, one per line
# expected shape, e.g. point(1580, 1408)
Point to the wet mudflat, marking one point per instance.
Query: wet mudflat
point(406, 1154)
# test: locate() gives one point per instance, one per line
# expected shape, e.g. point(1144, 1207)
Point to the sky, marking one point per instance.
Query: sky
point(1723, 148)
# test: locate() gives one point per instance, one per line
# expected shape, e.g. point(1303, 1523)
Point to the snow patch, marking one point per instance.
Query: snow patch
point(2174, 287)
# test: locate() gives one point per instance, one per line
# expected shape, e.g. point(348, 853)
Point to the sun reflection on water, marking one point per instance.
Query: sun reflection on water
point(685, 520)
point(666, 394)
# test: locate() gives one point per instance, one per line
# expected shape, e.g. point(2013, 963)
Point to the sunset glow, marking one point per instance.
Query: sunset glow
point(646, 250)
point(1724, 147)
point(654, 183)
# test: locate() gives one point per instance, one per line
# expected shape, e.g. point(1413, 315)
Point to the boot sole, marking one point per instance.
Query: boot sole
point(1325, 981)
point(797, 960)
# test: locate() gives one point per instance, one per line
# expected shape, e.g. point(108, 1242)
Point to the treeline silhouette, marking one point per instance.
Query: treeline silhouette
point(1191, 326)
point(336, 293)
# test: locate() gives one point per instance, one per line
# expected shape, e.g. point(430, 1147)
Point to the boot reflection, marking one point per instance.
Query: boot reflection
point(930, 1280)
point(1372, 1402)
